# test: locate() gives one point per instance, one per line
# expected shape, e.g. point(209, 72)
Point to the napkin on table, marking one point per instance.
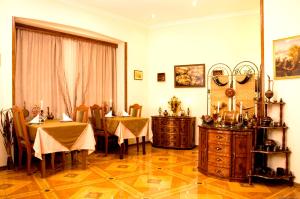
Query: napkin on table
point(124, 113)
point(109, 114)
point(35, 120)
point(66, 118)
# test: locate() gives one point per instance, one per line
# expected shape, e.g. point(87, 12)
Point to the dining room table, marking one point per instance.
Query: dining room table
point(126, 127)
point(53, 136)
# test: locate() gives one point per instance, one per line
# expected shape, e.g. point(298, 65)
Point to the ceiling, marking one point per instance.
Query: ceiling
point(154, 12)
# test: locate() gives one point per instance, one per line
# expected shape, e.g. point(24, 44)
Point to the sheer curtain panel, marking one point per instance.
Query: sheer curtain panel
point(64, 72)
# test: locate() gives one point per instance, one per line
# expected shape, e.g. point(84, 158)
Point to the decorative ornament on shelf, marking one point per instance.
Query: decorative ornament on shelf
point(166, 113)
point(269, 93)
point(159, 111)
point(175, 105)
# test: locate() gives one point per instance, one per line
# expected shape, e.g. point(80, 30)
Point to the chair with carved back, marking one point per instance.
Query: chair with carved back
point(23, 139)
point(99, 124)
point(135, 110)
point(80, 113)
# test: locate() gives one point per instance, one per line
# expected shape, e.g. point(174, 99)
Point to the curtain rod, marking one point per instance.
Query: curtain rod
point(63, 34)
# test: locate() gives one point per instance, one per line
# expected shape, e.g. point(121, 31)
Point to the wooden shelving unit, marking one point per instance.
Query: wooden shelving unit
point(260, 154)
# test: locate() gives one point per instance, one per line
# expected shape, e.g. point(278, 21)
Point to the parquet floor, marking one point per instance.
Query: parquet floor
point(161, 173)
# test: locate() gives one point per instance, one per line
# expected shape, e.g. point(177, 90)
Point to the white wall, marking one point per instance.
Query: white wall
point(49, 10)
point(227, 39)
point(281, 21)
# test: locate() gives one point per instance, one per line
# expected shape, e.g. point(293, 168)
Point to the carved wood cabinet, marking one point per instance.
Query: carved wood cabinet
point(173, 132)
point(225, 153)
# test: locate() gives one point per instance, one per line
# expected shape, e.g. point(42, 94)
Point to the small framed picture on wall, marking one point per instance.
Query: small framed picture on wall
point(161, 77)
point(138, 75)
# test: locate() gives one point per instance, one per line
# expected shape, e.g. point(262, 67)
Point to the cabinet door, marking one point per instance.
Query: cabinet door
point(241, 157)
point(202, 150)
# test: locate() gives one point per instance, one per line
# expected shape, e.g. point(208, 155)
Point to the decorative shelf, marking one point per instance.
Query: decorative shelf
point(271, 127)
point(279, 103)
point(274, 177)
point(270, 152)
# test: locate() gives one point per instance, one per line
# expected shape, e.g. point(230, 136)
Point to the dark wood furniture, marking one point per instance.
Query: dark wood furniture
point(225, 152)
point(173, 132)
point(260, 152)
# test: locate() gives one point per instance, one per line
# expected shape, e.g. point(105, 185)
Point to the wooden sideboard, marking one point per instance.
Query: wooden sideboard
point(173, 132)
point(225, 152)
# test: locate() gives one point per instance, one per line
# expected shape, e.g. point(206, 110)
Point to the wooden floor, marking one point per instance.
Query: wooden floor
point(161, 173)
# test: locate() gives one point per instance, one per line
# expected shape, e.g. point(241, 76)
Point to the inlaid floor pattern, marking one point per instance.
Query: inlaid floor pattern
point(161, 173)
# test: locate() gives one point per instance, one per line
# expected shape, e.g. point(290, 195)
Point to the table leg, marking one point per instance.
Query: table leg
point(53, 161)
point(63, 159)
point(121, 150)
point(126, 146)
point(144, 144)
point(43, 166)
point(137, 144)
point(83, 156)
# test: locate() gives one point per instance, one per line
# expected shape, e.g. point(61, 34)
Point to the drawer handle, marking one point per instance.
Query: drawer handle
point(219, 137)
point(219, 159)
point(219, 172)
point(218, 148)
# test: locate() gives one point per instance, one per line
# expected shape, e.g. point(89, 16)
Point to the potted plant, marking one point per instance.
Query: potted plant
point(6, 129)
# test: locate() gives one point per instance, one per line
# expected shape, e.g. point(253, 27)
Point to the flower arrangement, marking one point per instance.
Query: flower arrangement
point(175, 105)
point(6, 130)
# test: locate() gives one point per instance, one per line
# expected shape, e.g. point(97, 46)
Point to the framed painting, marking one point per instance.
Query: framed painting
point(138, 75)
point(286, 55)
point(161, 77)
point(192, 75)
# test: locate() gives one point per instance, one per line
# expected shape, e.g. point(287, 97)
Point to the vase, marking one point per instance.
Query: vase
point(269, 93)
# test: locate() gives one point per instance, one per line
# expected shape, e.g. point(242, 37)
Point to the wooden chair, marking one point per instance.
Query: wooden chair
point(99, 124)
point(80, 114)
point(23, 140)
point(135, 110)
point(24, 144)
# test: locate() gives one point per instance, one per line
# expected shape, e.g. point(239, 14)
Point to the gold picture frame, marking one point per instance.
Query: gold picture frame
point(192, 75)
point(138, 75)
point(286, 57)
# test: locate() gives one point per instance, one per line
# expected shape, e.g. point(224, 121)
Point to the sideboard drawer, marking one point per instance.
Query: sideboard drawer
point(218, 171)
point(173, 132)
point(219, 160)
point(217, 137)
point(219, 149)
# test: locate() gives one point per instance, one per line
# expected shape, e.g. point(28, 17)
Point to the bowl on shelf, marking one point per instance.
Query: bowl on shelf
point(266, 121)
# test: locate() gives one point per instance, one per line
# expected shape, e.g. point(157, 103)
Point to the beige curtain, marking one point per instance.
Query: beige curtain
point(39, 75)
point(96, 69)
point(63, 72)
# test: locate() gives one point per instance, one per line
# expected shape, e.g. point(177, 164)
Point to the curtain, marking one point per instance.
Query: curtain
point(63, 72)
point(38, 74)
point(95, 65)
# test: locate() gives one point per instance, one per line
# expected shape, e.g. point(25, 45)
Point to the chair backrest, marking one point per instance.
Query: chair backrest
point(20, 126)
point(98, 116)
point(81, 114)
point(135, 110)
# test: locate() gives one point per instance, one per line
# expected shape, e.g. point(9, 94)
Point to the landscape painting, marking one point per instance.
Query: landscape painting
point(286, 53)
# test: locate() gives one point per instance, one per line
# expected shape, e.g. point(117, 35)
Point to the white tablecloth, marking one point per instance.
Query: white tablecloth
point(124, 133)
point(44, 143)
